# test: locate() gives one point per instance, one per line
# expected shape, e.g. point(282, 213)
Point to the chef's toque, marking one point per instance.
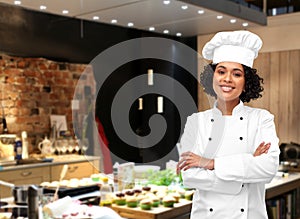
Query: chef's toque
point(233, 46)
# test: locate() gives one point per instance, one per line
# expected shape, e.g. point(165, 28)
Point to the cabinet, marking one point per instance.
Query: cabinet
point(23, 176)
point(75, 170)
point(47, 172)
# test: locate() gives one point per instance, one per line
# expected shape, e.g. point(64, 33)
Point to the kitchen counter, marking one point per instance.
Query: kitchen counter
point(282, 184)
point(57, 160)
point(79, 166)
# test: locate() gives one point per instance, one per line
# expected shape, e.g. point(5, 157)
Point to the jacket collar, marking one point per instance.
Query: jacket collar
point(238, 110)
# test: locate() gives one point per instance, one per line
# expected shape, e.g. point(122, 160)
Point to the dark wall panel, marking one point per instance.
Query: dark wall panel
point(34, 34)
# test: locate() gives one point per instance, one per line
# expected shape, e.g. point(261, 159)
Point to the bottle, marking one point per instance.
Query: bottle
point(5, 130)
point(105, 193)
point(18, 149)
point(24, 145)
point(116, 180)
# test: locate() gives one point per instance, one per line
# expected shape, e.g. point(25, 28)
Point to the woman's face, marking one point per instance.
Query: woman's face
point(229, 81)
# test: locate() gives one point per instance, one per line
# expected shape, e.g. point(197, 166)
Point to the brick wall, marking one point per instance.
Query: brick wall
point(31, 89)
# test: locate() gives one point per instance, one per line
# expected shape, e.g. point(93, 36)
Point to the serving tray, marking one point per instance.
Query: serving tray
point(181, 209)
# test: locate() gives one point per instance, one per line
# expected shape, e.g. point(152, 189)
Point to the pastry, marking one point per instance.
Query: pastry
point(175, 195)
point(120, 199)
point(131, 202)
point(168, 201)
point(146, 204)
point(189, 195)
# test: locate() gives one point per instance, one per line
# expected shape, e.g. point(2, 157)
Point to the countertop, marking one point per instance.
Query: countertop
point(282, 184)
point(51, 160)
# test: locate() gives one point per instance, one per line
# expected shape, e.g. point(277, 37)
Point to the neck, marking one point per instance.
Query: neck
point(226, 107)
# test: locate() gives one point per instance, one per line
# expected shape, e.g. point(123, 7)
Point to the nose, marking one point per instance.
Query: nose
point(227, 77)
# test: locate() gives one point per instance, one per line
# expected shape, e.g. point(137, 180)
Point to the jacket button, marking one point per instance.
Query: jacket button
point(241, 118)
point(241, 138)
point(242, 209)
point(242, 185)
point(209, 139)
point(211, 209)
point(212, 120)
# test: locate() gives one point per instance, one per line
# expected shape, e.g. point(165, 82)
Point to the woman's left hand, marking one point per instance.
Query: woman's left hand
point(189, 160)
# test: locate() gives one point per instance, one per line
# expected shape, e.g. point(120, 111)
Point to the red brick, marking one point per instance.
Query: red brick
point(53, 66)
point(13, 95)
point(13, 71)
point(20, 80)
point(13, 111)
point(22, 64)
point(42, 66)
point(8, 103)
point(30, 73)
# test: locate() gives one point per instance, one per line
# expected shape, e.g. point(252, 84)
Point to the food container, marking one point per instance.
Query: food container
point(141, 171)
point(7, 146)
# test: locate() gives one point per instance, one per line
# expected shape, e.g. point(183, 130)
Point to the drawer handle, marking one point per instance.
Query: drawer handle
point(25, 174)
point(72, 169)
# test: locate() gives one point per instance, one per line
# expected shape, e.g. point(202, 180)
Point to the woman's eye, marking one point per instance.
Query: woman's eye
point(237, 74)
point(221, 72)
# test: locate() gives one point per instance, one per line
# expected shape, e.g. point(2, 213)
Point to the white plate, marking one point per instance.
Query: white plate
point(89, 212)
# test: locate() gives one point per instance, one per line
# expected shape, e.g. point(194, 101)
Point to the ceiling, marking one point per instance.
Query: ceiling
point(144, 14)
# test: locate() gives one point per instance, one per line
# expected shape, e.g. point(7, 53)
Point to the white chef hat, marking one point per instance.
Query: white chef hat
point(233, 46)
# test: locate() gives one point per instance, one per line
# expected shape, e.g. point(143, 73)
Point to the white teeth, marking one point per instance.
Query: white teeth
point(226, 88)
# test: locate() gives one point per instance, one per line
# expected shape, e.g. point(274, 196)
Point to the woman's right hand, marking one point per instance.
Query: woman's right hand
point(262, 149)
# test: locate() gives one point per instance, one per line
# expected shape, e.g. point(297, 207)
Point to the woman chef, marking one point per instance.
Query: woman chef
point(230, 151)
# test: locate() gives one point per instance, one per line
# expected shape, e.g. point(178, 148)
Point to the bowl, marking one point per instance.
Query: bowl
point(140, 171)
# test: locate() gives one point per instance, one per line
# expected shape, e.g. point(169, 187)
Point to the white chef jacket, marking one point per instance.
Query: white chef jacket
point(235, 189)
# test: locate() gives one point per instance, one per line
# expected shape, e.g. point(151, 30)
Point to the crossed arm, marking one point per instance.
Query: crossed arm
point(190, 160)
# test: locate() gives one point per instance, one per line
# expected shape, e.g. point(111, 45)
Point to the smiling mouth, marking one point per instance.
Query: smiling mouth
point(226, 88)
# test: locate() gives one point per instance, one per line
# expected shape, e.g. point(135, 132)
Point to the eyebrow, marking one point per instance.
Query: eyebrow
point(235, 69)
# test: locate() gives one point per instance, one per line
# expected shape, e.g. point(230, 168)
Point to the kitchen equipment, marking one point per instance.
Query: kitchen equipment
point(7, 146)
point(62, 175)
point(66, 191)
point(290, 151)
point(33, 202)
point(20, 192)
point(289, 156)
point(46, 147)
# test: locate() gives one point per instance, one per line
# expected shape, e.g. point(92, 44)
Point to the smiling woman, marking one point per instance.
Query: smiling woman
point(253, 83)
point(230, 151)
point(229, 81)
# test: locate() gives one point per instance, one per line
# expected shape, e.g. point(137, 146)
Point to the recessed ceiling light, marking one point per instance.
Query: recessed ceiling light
point(179, 34)
point(114, 21)
point(166, 31)
point(166, 2)
point(201, 11)
point(219, 17)
point(65, 12)
point(96, 18)
point(151, 28)
point(233, 21)
point(17, 2)
point(245, 24)
point(43, 7)
point(130, 24)
point(184, 7)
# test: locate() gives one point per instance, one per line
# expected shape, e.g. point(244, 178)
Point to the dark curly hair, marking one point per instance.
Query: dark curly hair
point(253, 83)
